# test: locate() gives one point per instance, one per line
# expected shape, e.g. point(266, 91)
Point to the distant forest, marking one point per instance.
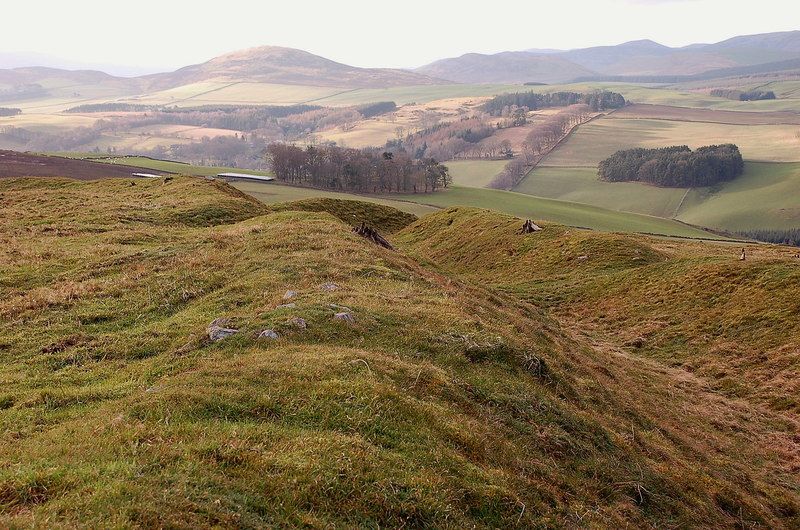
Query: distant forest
point(738, 95)
point(599, 100)
point(677, 167)
point(5, 111)
point(24, 91)
point(789, 236)
point(359, 170)
point(258, 125)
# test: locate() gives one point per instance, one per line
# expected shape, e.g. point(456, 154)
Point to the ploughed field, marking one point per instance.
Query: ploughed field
point(16, 164)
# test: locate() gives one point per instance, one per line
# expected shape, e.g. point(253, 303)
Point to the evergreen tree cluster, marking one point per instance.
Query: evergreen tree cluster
point(738, 95)
point(789, 236)
point(5, 111)
point(676, 167)
point(598, 100)
point(370, 110)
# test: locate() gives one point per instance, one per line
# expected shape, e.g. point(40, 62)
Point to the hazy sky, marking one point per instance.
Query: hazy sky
point(164, 34)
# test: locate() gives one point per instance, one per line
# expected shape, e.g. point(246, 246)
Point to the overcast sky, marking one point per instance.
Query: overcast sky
point(165, 34)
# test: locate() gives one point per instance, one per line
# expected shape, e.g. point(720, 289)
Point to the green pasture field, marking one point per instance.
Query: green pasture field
point(580, 184)
point(272, 193)
point(474, 173)
point(601, 138)
point(563, 212)
point(765, 196)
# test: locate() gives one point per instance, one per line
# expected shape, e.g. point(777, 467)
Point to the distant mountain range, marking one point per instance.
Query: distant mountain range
point(637, 58)
point(272, 64)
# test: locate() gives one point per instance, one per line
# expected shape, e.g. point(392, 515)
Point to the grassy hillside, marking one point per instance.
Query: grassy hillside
point(381, 217)
point(581, 184)
point(568, 213)
point(441, 405)
point(765, 196)
point(276, 64)
point(687, 304)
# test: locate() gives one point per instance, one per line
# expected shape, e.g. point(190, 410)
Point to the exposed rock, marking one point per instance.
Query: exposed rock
point(370, 233)
point(218, 330)
point(583, 258)
point(287, 306)
point(329, 286)
point(528, 227)
point(340, 307)
point(345, 316)
point(298, 322)
point(638, 342)
point(268, 334)
point(289, 294)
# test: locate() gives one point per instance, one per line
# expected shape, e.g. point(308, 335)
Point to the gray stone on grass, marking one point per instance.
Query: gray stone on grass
point(345, 317)
point(287, 306)
point(329, 286)
point(219, 330)
point(268, 334)
point(289, 294)
point(298, 322)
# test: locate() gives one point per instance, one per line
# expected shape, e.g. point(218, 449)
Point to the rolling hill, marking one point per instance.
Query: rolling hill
point(506, 67)
point(288, 66)
point(443, 401)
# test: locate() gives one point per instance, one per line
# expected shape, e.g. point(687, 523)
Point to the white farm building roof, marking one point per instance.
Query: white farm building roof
point(244, 176)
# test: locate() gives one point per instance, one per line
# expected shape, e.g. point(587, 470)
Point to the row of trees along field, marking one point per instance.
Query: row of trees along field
point(789, 236)
point(738, 95)
point(359, 170)
point(5, 111)
point(284, 119)
point(676, 166)
point(539, 141)
point(504, 104)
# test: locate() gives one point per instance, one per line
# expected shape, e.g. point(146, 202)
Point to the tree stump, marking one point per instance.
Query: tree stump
point(743, 256)
point(370, 233)
point(528, 227)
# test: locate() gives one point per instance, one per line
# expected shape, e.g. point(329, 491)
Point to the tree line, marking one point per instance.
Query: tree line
point(6, 111)
point(789, 236)
point(358, 170)
point(462, 138)
point(23, 91)
point(676, 166)
point(739, 95)
point(538, 142)
point(504, 104)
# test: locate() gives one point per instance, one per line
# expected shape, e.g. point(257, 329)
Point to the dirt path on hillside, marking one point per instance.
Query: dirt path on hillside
point(690, 397)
